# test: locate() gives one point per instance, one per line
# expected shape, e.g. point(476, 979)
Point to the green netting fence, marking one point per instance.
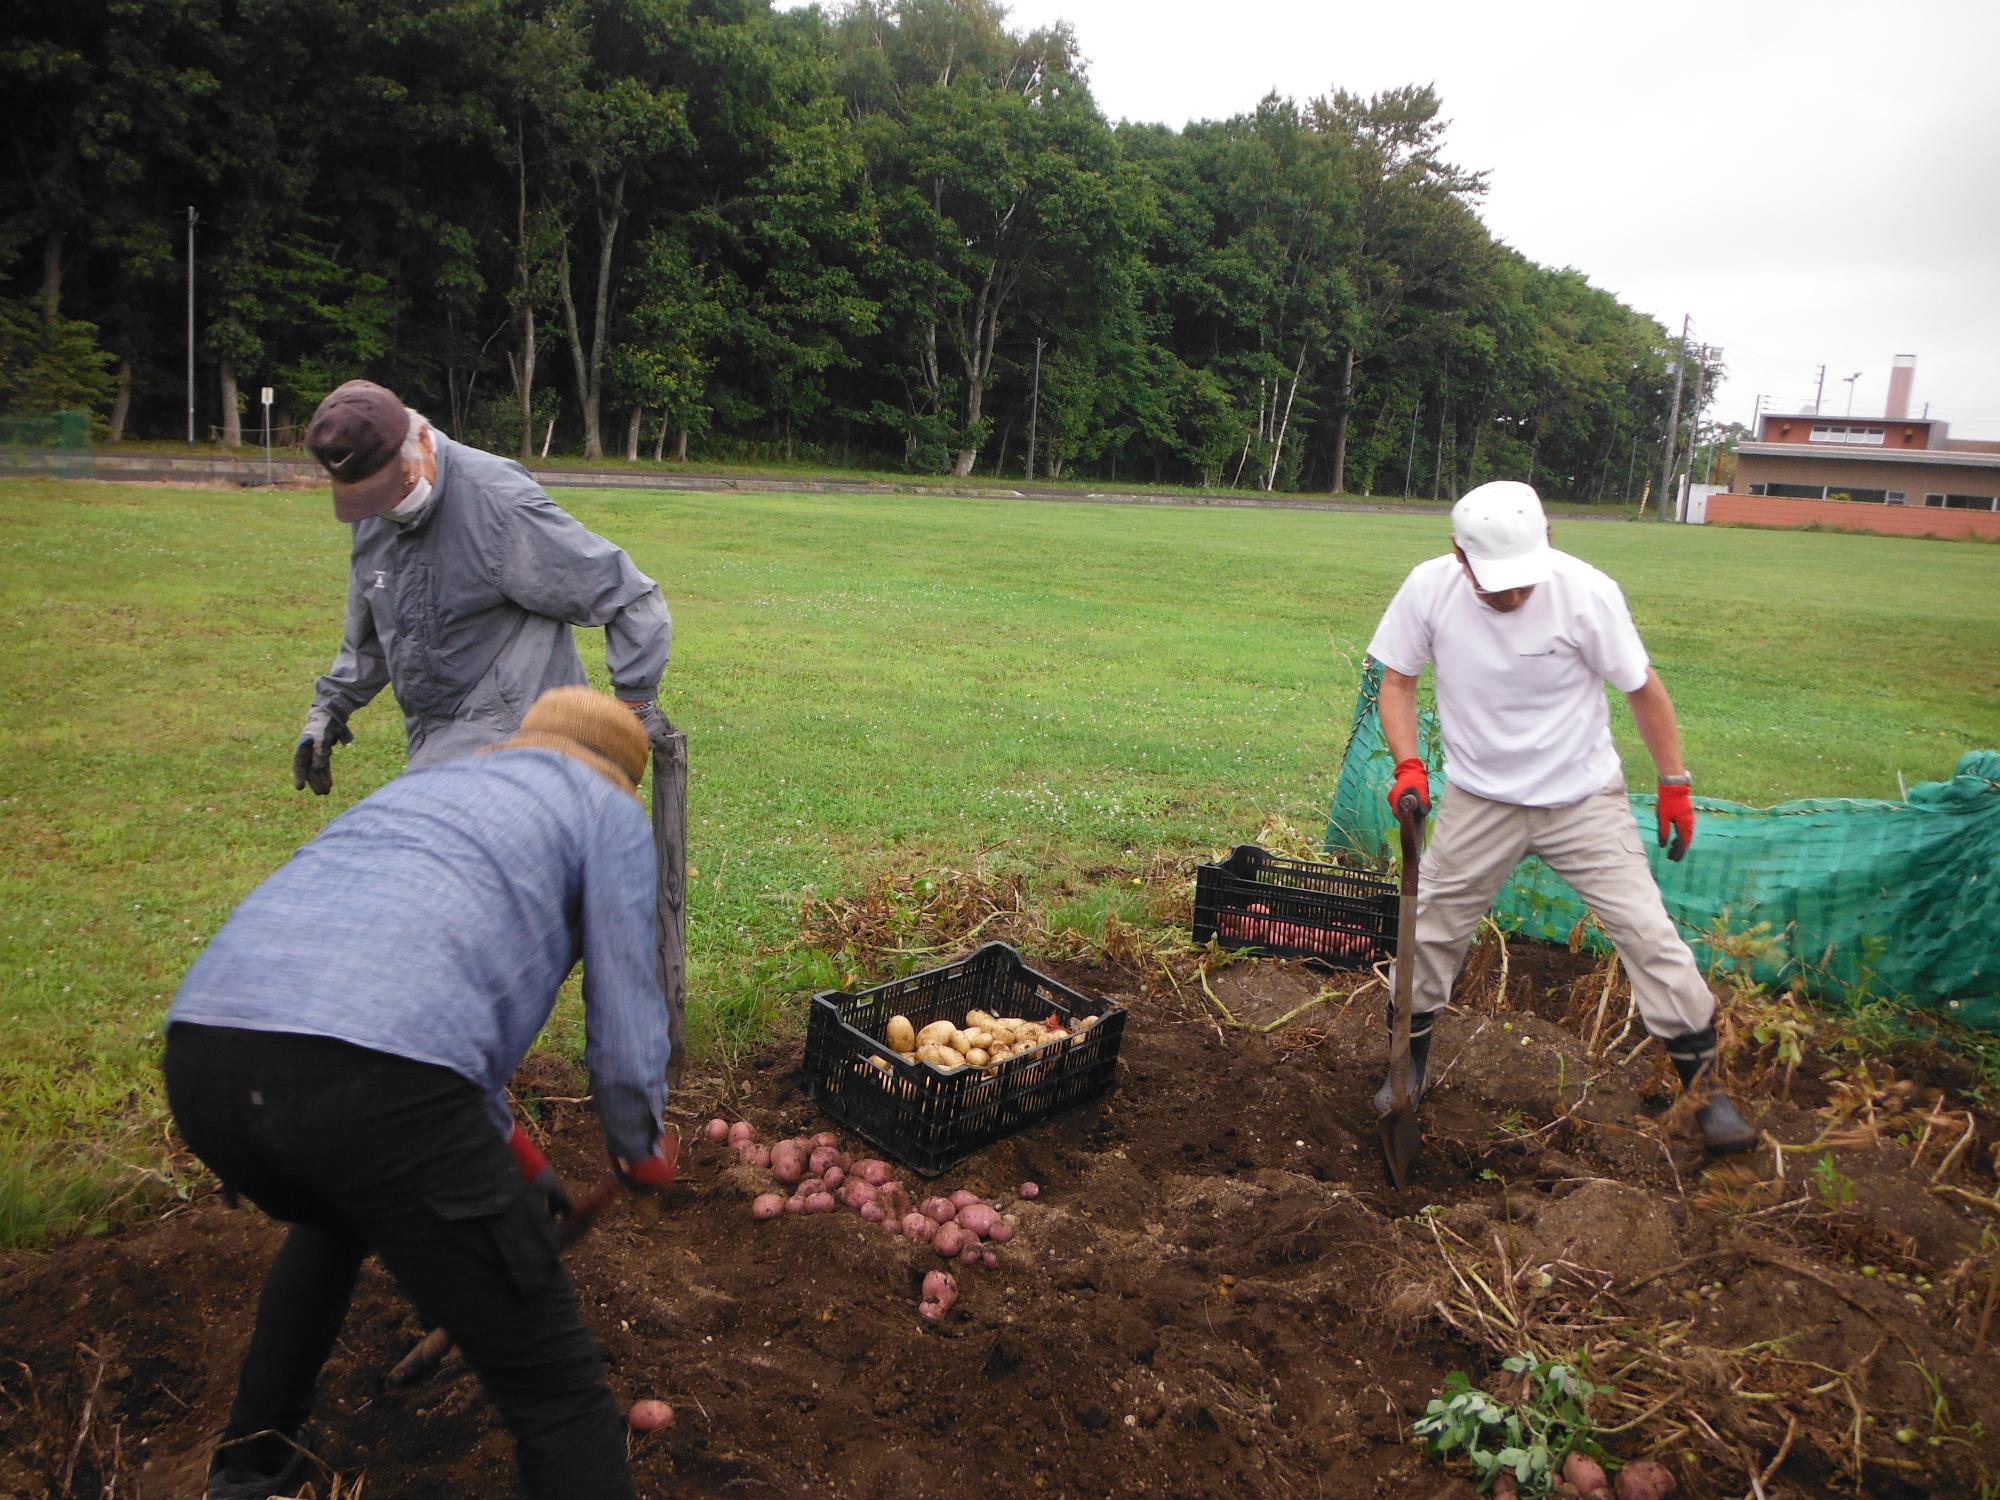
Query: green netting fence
point(59, 440)
point(1850, 896)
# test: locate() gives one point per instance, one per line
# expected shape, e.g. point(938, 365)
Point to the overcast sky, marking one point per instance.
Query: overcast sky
point(1813, 183)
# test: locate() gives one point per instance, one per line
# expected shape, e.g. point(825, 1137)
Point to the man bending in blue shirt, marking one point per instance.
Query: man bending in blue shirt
point(340, 1055)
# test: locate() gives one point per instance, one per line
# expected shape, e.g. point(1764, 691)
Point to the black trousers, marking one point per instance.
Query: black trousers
point(361, 1151)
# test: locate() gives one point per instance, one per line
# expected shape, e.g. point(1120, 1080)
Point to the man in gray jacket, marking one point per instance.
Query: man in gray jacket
point(465, 580)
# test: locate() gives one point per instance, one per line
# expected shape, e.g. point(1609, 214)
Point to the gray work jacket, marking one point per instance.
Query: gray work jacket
point(467, 610)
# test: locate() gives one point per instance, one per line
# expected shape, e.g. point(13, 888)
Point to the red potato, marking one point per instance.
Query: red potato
point(835, 1176)
point(942, 1210)
point(819, 1203)
point(1585, 1472)
point(949, 1240)
point(810, 1186)
point(1001, 1232)
point(826, 1138)
point(992, 1261)
point(964, 1198)
point(741, 1131)
point(978, 1219)
point(716, 1130)
point(1029, 1190)
point(822, 1158)
point(873, 1213)
point(795, 1204)
point(767, 1206)
point(931, 1312)
point(971, 1254)
point(874, 1172)
point(892, 1197)
point(650, 1416)
point(856, 1194)
point(1645, 1480)
point(940, 1286)
point(919, 1227)
point(755, 1156)
point(787, 1165)
point(1503, 1487)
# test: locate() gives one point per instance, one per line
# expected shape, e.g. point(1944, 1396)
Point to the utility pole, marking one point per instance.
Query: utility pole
point(1701, 359)
point(1850, 379)
point(1673, 422)
point(193, 219)
point(1034, 410)
point(1756, 415)
point(1819, 390)
point(1631, 465)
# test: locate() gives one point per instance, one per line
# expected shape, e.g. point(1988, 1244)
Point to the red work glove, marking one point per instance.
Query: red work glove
point(1676, 809)
point(655, 1170)
point(1411, 776)
point(538, 1174)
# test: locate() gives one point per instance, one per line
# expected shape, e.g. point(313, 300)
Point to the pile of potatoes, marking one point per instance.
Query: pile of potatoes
point(984, 1041)
point(818, 1177)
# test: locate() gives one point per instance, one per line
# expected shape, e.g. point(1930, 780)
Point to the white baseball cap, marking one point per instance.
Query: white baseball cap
point(1505, 537)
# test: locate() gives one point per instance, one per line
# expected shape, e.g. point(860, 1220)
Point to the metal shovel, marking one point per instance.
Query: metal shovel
point(1402, 1132)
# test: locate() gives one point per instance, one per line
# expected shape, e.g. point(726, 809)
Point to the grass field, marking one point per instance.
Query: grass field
point(1062, 690)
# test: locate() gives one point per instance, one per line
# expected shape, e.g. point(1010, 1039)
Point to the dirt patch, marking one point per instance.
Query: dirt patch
point(1215, 1295)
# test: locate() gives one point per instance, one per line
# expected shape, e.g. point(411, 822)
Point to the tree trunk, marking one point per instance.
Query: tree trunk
point(1437, 459)
point(590, 367)
point(232, 421)
point(632, 435)
point(681, 446)
point(1006, 437)
point(1278, 447)
point(1340, 426)
point(52, 275)
point(524, 274)
point(123, 404)
point(660, 442)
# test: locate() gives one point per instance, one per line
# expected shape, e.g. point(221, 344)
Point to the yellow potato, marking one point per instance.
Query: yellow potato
point(1084, 1023)
point(880, 1062)
point(976, 1018)
point(901, 1034)
point(939, 1056)
point(977, 1056)
point(935, 1033)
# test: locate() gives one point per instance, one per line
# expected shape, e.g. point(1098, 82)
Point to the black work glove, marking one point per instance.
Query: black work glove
point(651, 719)
point(312, 759)
point(539, 1175)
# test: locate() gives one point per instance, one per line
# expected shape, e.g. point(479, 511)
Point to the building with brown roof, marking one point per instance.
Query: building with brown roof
point(1894, 473)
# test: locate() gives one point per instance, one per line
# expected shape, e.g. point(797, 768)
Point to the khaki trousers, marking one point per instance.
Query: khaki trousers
point(1592, 844)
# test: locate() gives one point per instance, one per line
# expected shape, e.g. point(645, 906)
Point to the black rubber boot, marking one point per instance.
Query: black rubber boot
point(1420, 1059)
point(1724, 1131)
point(252, 1471)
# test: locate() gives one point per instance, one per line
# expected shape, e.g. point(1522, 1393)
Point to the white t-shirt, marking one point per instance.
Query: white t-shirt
point(1520, 695)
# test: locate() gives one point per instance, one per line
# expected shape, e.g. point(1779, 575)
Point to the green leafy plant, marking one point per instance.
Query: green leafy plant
point(1529, 1439)
point(1834, 1187)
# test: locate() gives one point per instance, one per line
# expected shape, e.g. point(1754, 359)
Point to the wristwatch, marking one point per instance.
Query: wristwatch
point(1686, 778)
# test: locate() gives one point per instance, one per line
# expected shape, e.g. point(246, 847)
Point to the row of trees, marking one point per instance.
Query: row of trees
point(898, 231)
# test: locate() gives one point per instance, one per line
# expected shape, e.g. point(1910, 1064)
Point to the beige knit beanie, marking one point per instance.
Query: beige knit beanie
point(587, 726)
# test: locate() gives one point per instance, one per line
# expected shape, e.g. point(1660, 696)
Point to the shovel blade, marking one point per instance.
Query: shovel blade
point(1402, 1132)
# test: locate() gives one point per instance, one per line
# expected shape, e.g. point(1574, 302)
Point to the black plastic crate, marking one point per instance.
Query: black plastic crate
point(1295, 908)
point(927, 1119)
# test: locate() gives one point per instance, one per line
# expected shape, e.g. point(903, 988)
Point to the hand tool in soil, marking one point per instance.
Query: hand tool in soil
point(433, 1346)
point(1402, 1131)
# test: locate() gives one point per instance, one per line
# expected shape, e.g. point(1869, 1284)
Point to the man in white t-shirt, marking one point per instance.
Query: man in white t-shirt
point(1521, 639)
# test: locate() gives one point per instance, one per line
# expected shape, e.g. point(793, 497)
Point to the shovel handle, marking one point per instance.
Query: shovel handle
point(433, 1346)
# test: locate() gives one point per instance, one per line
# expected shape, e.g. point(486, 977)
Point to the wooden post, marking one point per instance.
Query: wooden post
point(670, 843)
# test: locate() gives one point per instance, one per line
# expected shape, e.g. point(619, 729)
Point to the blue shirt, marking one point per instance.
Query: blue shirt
point(436, 920)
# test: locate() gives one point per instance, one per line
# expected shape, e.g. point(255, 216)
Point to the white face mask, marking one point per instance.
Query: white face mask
point(411, 506)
